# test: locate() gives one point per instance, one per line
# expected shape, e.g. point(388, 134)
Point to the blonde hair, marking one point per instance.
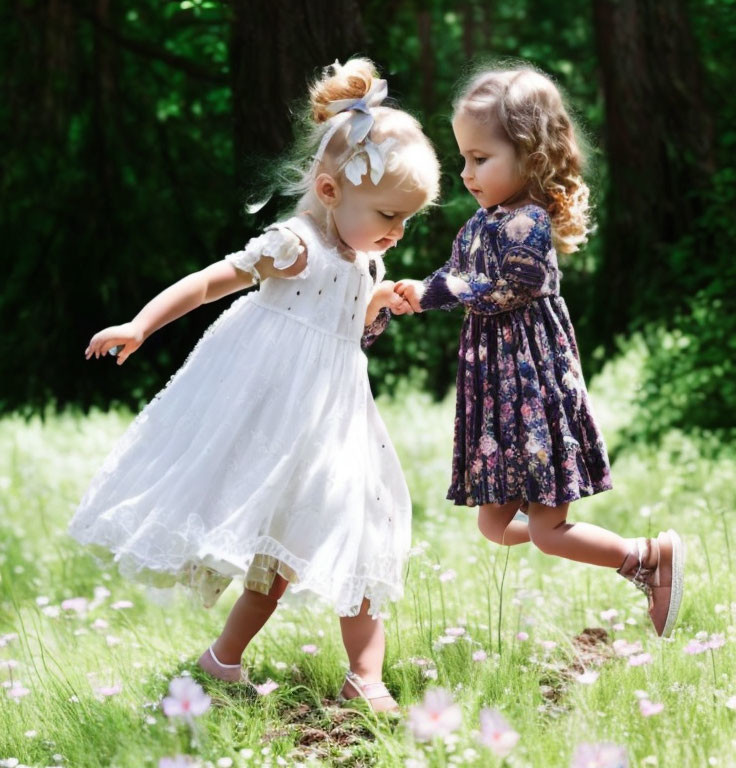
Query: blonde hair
point(411, 160)
point(529, 110)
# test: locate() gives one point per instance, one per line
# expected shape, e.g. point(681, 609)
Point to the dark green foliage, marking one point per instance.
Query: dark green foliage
point(117, 182)
point(120, 176)
point(690, 376)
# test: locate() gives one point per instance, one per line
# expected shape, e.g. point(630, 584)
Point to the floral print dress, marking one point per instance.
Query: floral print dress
point(524, 426)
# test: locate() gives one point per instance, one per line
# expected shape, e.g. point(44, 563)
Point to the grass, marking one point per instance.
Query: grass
point(69, 661)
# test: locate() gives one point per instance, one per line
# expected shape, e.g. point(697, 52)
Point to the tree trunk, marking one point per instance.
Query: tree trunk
point(426, 60)
point(276, 47)
point(659, 141)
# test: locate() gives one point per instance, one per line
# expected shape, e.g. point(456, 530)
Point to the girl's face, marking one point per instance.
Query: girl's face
point(490, 172)
point(371, 217)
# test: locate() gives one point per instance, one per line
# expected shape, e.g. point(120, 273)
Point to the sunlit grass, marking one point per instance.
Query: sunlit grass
point(95, 676)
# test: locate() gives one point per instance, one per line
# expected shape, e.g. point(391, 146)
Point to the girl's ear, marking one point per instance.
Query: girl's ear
point(328, 190)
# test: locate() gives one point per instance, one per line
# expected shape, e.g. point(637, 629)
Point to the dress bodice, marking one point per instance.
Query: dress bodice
point(331, 294)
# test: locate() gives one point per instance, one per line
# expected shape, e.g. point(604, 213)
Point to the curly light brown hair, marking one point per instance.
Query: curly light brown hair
point(528, 109)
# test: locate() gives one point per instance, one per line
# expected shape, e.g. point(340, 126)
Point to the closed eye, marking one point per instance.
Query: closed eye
point(387, 215)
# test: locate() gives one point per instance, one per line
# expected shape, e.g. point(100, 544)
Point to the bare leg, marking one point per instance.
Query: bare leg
point(495, 523)
point(250, 612)
point(586, 543)
point(365, 643)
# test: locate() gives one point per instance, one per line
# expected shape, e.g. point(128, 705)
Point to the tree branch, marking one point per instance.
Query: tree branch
point(149, 51)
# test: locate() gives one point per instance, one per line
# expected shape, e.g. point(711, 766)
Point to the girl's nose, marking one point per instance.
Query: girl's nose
point(465, 173)
point(397, 231)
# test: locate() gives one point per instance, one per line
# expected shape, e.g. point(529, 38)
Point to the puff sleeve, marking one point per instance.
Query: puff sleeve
point(277, 242)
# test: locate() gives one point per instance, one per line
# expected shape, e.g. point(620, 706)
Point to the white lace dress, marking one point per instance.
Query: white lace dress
point(265, 451)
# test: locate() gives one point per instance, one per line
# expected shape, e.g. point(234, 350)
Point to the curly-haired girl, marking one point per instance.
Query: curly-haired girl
point(525, 434)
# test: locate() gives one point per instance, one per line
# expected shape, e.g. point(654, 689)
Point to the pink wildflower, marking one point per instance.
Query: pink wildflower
point(438, 715)
point(268, 687)
point(496, 733)
point(186, 699)
point(648, 708)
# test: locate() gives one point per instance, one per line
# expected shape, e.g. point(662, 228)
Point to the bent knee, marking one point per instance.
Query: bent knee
point(490, 529)
point(546, 539)
point(543, 543)
point(493, 519)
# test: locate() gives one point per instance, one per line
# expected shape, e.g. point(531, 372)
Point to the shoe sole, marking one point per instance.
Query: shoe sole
point(678, 582)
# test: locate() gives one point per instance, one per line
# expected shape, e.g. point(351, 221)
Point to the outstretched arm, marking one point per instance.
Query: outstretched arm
point(209, 284)
point(527, 266)
point(432, 293)
point(527, 270)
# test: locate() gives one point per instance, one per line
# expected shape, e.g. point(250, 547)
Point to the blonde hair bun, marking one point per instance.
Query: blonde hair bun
point(323, 139)
point(351, 80)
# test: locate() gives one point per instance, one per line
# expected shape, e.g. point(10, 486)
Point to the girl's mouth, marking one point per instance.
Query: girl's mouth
point(385, 243)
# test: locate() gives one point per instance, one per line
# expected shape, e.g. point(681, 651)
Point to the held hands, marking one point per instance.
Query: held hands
point(384, 295)
point(411, 292)
point(129, 336)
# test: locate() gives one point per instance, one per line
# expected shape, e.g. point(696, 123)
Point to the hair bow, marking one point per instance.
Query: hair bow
point(366, 153)
point(361, 121)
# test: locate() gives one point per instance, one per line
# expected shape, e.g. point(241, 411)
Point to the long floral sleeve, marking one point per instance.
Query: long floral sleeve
point(496, 268)
point(373, 330)
point(376, 328)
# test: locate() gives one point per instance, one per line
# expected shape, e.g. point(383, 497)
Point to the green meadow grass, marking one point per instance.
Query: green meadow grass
point(454, 579)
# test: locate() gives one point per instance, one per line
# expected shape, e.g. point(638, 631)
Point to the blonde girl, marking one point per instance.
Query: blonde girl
point(264, 458)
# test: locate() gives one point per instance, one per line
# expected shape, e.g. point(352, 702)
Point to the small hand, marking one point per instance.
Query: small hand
point(383, 293)
point(399, 306)
point(411, 291)
point(128, 336)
